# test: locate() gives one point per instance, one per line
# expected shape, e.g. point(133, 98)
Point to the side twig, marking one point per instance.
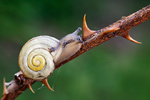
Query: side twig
point(20, 83)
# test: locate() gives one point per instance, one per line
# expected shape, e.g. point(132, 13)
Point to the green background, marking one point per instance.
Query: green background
point(115, 70)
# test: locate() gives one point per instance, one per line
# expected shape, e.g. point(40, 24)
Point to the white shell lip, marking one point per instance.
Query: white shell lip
point(43, 43)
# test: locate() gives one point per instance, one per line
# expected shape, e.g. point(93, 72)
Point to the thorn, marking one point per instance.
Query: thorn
point(86, 31)
point(128, 37)
point(29, 85)
point(110, 30)
point(45, 82)
point(4, 87)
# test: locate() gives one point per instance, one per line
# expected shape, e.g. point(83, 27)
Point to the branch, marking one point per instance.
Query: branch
point(20, 83)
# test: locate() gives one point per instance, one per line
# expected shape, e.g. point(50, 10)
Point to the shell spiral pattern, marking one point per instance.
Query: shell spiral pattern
point(36, 57)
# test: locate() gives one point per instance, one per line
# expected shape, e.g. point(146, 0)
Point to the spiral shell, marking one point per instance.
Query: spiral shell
point(36, 59)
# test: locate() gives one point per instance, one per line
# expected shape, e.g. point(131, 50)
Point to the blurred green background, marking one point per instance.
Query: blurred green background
point(115, 70)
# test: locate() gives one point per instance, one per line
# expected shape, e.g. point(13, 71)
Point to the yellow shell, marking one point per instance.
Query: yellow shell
point(36, 58)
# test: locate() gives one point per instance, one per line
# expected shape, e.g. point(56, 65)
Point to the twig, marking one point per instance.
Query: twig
point(20, 83)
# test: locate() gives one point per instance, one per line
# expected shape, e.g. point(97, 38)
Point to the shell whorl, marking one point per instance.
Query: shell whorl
point(36, 58)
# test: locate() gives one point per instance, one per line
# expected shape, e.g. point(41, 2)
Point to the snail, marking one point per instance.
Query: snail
point(38, 57)
point(40, 54)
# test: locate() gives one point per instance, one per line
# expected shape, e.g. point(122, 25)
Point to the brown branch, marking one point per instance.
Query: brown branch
point(20, 83)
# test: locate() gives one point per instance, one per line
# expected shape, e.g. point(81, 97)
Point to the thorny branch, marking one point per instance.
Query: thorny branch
point(20, 83)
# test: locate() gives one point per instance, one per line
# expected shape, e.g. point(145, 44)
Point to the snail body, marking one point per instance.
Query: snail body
point(38, 57)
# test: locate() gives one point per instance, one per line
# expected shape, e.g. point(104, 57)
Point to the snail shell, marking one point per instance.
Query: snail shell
point(36, 58)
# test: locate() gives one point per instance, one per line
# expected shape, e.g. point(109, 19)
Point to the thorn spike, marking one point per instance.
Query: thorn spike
point(4, 87)
point(29, 85)
point(110, 30)
point(131, 39)
point(128, 37)
point(45, 82)
point(86, 31)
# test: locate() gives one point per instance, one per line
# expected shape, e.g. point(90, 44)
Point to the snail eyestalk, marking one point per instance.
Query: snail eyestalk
point(77, 31)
